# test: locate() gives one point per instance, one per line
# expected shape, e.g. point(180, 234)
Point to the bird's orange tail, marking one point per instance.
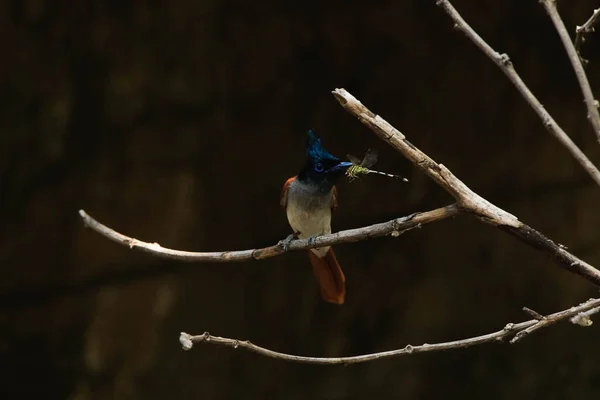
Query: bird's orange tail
point(331, 279)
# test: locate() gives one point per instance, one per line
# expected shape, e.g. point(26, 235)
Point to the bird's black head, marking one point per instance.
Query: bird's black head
point(321, 168)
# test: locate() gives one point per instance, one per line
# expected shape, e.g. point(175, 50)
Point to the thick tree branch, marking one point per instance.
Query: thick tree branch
point(504, 63)
point(590, 102)
point(394, 228)
point(463, 195)
point(585, 29)
point(510, 330)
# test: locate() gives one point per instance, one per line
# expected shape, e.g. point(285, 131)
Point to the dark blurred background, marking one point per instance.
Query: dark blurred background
point(178, 122)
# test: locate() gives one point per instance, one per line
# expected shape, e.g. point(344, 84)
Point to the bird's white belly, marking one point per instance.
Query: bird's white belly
point(310, 223)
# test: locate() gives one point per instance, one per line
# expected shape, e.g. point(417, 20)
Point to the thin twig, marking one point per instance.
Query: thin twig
point(187, 341)
point(394, 228)
point(590, 102)
point(583, 30)
point(583, 318)
point(463, 195)
point(533, 313)
point(504, 63)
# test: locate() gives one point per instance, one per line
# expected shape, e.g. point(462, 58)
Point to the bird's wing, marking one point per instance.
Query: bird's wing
point(284, 192)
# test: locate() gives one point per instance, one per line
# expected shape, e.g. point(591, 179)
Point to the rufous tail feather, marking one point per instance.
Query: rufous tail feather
point(330, 277)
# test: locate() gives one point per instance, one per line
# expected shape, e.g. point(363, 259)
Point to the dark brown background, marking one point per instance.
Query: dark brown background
point(178, 122)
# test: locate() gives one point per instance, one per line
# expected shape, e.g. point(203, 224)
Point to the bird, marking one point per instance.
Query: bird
point(309, 199)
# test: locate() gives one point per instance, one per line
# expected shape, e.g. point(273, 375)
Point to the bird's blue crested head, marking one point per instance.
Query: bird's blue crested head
point(321, 168)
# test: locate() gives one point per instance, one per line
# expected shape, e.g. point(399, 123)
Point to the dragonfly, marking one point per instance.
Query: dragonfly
point(362, 166)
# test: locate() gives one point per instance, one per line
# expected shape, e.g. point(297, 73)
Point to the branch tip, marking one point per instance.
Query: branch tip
point(582, 320)
point(85, 218)
point(186, 341)
point(339, 96)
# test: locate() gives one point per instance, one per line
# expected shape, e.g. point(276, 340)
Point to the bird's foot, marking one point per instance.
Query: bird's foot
point(313, 240)
point(285, 243)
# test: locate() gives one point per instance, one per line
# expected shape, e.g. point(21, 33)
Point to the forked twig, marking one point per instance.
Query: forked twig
point(585, 29)
point(515, 331)
point(504, 63)
point(464, 196)
point(590, 102)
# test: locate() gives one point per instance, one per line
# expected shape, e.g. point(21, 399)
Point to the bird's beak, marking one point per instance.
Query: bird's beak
point(341, 167)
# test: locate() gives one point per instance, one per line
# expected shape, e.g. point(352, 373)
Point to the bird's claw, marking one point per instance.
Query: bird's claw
point(313, 240)
point(285, 243)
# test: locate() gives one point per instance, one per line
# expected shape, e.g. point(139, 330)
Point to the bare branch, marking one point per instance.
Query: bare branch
point(394, 228)
point(504, 63)
point(590, 102)
point(463, 195)
point(585, 29)
point(187, 341)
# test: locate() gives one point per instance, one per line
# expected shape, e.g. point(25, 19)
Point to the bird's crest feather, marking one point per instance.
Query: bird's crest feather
point(314, 148)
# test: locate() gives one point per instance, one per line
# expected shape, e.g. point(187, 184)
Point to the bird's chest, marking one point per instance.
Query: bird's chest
point(309, 213)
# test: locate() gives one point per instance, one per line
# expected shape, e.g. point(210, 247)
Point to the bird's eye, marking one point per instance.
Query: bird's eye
point(319, 167)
